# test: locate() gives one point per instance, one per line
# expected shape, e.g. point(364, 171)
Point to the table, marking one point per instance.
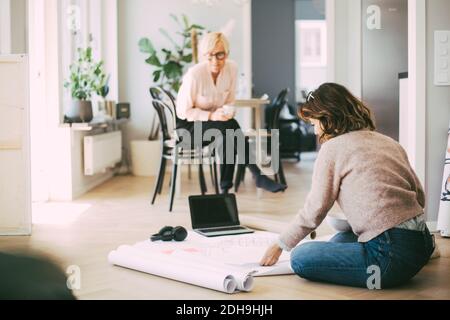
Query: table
point(256, 135)
point(256, 106)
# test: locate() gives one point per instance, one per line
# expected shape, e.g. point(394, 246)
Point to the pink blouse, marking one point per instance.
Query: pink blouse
point(199, 96)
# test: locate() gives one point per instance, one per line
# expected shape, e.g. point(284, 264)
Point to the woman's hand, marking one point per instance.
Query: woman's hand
point(220, 115)
point(272, 256)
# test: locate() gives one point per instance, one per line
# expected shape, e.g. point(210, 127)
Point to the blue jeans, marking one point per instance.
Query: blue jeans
point(397, 254)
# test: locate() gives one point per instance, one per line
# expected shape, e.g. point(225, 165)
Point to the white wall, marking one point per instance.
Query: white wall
point(143, 18)
point(110, 50)
point(344, 43)
point(438, 109)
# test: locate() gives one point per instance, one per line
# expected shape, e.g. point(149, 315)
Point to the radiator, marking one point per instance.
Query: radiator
point(102, 152)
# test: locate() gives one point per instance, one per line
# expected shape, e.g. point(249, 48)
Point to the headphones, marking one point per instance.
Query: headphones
point(170, 234)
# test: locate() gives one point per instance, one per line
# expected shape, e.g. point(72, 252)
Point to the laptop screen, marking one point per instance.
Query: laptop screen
point(213, 211)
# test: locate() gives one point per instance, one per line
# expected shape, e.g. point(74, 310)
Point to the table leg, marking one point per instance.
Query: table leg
point(257, 118)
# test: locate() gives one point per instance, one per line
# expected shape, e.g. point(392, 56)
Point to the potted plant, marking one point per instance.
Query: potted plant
point(85, 75)
point(169, 64)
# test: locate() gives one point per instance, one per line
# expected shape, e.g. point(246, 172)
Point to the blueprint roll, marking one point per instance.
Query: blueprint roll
point(244, 279)
point(175, 269)
point(444, 209)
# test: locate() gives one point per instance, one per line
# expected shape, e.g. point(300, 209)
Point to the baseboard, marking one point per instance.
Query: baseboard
point(85, 187)
point(432, 226)
point(11, 232)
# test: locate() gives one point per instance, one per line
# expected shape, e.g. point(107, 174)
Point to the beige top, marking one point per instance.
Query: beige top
point(199, 96)
point(370, 177)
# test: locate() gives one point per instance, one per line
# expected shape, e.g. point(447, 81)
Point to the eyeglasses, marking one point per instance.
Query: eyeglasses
point(310, 97)
point(219, 56)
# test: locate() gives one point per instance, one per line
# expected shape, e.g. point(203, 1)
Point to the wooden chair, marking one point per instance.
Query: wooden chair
point(171, 151)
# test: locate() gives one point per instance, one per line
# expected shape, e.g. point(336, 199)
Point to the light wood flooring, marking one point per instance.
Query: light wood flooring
point(83, 232)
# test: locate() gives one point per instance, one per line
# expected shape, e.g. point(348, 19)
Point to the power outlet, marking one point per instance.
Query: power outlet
point(442, 58)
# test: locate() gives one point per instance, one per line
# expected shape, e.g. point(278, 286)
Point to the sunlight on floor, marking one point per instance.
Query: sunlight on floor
point(62, 214)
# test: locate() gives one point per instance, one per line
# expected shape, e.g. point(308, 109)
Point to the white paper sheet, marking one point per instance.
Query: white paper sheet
point(167, 267)
point(227, 264)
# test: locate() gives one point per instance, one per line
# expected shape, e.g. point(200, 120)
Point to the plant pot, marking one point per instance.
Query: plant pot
point(79, 111)
point(145, 157)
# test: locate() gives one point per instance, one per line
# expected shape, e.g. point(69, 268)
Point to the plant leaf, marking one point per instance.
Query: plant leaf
point(146, 46)
point(196, 27)
point(186, 21)
point(172, 70)
point(153, 60)
point(187, 59)
point(164, 33)
point(156, 75)
point(175, 18)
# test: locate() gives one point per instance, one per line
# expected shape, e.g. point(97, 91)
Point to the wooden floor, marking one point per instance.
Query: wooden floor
point(82, 233)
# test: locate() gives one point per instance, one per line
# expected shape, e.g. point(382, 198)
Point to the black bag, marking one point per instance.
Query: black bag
point(296, 136)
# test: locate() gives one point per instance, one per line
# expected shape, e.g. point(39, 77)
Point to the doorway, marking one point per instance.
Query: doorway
point(311, 59)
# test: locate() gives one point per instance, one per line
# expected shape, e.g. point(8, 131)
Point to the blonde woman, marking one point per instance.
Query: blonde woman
point(206, 89)
point(369, 175)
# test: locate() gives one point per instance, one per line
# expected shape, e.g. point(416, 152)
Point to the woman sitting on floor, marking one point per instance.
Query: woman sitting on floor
point(369, 175)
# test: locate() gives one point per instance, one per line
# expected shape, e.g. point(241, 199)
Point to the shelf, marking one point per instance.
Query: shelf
point(95, 124)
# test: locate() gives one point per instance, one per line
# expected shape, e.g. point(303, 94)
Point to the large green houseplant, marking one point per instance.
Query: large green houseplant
point(169, 64)
point(86, 77)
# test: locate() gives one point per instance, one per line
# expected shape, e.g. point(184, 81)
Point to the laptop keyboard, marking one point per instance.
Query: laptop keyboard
point(222, 229)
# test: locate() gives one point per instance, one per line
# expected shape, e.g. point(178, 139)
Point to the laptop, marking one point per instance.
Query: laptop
point(216, 215)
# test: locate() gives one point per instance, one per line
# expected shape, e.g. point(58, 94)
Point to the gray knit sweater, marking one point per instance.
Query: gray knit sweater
point(370, 177)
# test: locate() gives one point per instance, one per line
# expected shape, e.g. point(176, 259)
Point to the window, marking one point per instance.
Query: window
point(81, 26)
point(313, 43)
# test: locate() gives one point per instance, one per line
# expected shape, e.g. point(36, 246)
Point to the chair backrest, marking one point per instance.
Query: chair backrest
point(278, 106)
point(157, 93)
point(165, 96)
point(167, 119)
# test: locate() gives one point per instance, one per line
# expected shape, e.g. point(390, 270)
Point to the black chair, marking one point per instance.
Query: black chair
point(171, 151)
point(273, 117)
point(280, 102)
point(166, 96)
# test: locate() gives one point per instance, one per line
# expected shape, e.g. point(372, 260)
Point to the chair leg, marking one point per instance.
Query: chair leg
point(161, 183)
point(216, 179)
point(173, 188)
point(281, 174)
point(211, 171)
point(201, 176)
point(189, 172)
point(244, 172)
point(239, 174)
point(158, 180)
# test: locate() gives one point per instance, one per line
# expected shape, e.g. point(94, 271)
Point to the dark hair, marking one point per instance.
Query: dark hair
point(338, 111)
point(32, 277)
